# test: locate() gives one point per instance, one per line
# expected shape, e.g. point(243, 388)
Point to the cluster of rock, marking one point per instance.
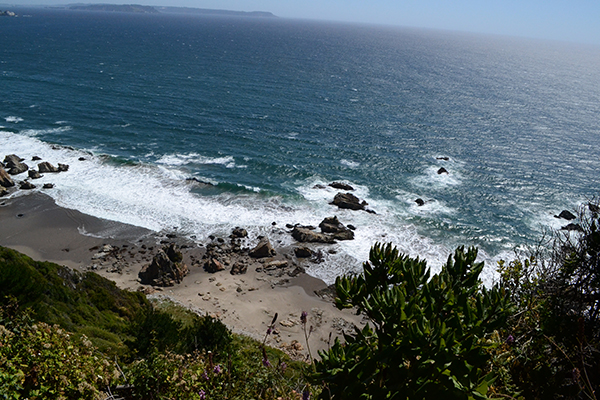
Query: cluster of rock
point(166, 269)
point(7, 14)
point(14, 165)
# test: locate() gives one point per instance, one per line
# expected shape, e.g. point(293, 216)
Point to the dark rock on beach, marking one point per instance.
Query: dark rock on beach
point(348, 201)
point(3, 191)
point(303, 252)
point(213, 265)
point(239, 233)
point(14, 164)
point(263, 249)
point(341, 185)
point(5, 179)
point(25, 185)
point(564, 214)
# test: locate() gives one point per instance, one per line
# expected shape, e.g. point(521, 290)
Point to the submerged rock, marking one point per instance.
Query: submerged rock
point(420, 202)
point(341, 185)
point(442, 171)
point(564, 214)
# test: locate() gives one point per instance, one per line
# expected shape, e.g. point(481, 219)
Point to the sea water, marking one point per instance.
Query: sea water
point(269, 110)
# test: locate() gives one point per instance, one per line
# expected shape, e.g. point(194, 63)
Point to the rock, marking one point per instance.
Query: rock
point(442, 171)
point(594, 208)
point(303, 252)
point(213, 265)
point(420, 202)
point(263, 249)
point(339, 231)
point(564, 214)
point(348, 201)
point(35, 158)
point(3, 191)
point(5, 179)
point(48, 185)
point(276, 264)
point(341, 185)
point(33, 174)
point(239, 268)
point(25, 185)
point(443, 158)
point(81, 159)
point(319, 186)
point(14, 165)
point(63, 167)
point(350, 226)
point(45, 167)
point(305, 235)
point(572, 227)
point(239, 233)
point(164, 271)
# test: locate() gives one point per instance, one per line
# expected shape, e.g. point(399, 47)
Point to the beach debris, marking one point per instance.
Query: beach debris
point(45, 167)
point(348, 201)
point(442, 171)
point(334, 226)
point(14, 164)
point(340, 185)
point(5, 179)
point(263, 249)
point(166, 269)
point(564, 214)
point(33, 174)
point(303, 252)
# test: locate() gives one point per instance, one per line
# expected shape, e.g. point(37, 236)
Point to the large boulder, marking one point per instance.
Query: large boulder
point(335, 227)
point(5, 179)
point(167, 267)
point(442, 171)
point(14, 164)
point(45, 167)
point(263, 249)
point(33, 174)
point(26, 185)
point(213, 265)
point(305, 235)
point(348, 201)
point(303, 252)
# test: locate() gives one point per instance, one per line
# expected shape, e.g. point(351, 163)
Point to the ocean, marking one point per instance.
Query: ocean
point(269, 110)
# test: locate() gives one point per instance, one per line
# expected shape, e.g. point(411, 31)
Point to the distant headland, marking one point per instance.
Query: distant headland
point(7, 14)
point(136, 8)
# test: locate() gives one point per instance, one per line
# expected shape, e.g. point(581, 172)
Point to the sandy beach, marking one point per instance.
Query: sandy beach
point(34, 225)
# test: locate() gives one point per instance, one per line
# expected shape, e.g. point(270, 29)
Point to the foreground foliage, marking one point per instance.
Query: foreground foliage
point(427, 338)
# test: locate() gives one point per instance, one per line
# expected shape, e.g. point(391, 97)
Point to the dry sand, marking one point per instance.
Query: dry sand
point(34, 225)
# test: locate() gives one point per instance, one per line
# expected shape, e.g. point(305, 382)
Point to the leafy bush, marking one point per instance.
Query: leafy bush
point(427, 338)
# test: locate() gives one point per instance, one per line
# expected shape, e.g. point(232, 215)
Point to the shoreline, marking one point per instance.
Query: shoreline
point(36, 226)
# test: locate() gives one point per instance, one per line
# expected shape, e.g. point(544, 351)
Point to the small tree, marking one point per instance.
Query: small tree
point(426, 338)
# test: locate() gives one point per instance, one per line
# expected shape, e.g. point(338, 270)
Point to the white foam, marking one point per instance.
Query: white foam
point(431, 178)
point(36, 132)
point(13, 119)
point(351, 164)
point(195, 158)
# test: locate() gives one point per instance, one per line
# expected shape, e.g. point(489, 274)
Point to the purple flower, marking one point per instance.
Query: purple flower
point(202, 394)
point(283, 367)
point(217, 369)
point(269, 331)
point(510, 339)
point(266, 362)
point(205, 376)
point(306, 395)
point(303, 317)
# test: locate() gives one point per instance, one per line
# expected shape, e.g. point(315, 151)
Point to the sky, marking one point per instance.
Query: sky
point(564, 20)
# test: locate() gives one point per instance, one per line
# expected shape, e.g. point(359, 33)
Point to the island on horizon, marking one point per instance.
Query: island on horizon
point(137, 8)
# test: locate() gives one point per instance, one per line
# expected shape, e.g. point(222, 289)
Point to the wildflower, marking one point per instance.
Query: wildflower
point(205, 375)
point(269, 331)
point(202, 394)
point(266, 362)
point(303, 317)
point(283, 367)
point(217, 369)
point(510, 339)
point(306, 395)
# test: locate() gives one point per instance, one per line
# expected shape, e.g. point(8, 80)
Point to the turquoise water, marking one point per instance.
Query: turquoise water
point(265, 109)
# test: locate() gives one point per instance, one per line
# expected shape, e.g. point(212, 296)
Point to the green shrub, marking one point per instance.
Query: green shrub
point(426, 338)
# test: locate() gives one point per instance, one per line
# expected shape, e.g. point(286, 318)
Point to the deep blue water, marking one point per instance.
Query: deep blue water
point(267, 108)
